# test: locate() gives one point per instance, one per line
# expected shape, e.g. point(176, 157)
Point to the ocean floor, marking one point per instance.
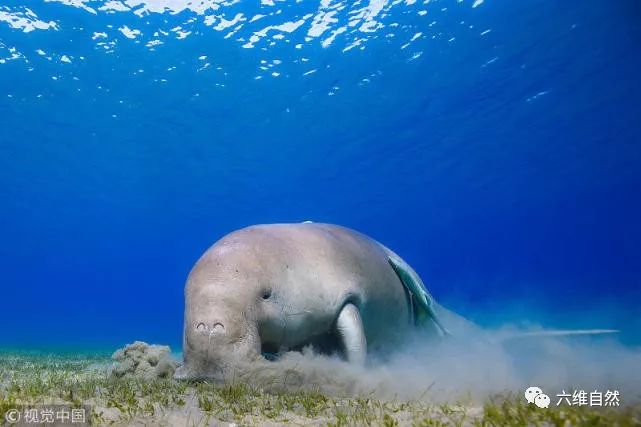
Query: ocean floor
point(85, 381)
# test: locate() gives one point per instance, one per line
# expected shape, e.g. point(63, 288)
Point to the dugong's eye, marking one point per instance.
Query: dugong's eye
point(267, 293)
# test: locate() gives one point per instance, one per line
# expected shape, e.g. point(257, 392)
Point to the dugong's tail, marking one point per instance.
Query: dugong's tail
point(459, 327)
point(428, 313)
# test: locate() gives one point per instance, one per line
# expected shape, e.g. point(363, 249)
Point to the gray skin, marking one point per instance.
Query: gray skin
point(279, 287)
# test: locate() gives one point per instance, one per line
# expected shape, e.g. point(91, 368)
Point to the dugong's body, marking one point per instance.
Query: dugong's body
point(266, 289)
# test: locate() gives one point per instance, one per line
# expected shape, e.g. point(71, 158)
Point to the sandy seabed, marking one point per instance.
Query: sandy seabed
point(441, 387)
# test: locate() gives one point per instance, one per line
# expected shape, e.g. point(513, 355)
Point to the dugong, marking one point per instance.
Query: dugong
point(266, 289)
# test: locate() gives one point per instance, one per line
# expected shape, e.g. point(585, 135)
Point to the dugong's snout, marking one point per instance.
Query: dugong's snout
point(209, 329)
point(214, 346)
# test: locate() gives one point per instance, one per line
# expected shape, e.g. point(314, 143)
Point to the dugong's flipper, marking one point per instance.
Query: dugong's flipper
point(422, 301)
point(350, 331)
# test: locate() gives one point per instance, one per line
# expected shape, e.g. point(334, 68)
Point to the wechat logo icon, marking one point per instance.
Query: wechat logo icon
point(535, 395)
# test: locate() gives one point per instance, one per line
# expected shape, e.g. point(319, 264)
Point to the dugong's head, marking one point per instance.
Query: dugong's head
point(228, 304)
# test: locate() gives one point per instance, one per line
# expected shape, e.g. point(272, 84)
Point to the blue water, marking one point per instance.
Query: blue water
point(499, 152)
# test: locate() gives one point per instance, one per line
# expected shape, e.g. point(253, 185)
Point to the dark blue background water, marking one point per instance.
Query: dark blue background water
point(505, 167)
